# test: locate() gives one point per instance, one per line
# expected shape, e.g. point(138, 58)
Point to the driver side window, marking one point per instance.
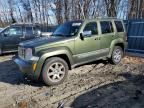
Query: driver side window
point(13, 31)
point(92, 26)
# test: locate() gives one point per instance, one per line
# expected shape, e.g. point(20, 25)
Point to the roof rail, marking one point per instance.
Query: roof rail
point(106, 17)
point(28, 23)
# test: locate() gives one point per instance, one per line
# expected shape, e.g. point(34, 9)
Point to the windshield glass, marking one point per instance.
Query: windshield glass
point(68, 29)
point(4, 29)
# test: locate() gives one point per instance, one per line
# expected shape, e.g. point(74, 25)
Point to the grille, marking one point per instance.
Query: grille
point(21, 52)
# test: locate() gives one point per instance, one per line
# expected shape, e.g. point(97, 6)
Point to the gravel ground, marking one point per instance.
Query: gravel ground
point(95, 85)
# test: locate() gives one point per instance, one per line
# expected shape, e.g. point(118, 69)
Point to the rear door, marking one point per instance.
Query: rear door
point(11, 38)
point(120, 29)
point(107, 35)
point(28, 33)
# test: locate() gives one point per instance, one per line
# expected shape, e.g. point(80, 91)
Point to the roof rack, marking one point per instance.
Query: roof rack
point(27, 23)
point(106, 17)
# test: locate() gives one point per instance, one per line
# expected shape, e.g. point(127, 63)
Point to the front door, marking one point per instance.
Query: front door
point(86, 49)
point(11, 38)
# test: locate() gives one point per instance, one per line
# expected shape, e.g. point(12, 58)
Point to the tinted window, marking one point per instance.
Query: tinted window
point(36, 30)
point(51, 29)
point(106, 27)
point(13, 31)
point(28, 31)
point(119, 26)
point(92, 26)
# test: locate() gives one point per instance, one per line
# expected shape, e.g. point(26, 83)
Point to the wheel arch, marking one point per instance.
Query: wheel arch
point(118, 42)
point(64, 54)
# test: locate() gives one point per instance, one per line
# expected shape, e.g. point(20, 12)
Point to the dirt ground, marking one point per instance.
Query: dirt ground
point(95, 85)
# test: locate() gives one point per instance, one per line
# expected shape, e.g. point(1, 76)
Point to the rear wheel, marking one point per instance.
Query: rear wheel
point(55, 71)
point(117, 55)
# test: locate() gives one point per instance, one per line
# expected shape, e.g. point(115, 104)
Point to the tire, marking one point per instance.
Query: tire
point(117, 55)
point(52, 74)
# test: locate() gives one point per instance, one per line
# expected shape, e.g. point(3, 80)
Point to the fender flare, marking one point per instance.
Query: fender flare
point(52, 53)
point(113, 44)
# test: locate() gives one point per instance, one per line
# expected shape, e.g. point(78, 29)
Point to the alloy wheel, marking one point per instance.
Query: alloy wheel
point(56, 72)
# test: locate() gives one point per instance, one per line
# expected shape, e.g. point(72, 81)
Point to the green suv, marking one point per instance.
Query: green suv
point(73, 43)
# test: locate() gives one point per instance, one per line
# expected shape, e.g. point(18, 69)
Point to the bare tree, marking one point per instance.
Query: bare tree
point(58, 13)
point(66, 10)
point(11, 10)
point(27, 7)
point(43, 12)
point(111, 7)
point(20, 13)
point(136, 8)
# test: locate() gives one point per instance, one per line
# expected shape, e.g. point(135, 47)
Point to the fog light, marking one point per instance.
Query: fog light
point(34, 66)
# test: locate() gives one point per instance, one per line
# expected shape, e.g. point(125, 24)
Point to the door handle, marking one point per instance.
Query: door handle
point(22, 37)
point(97, 38)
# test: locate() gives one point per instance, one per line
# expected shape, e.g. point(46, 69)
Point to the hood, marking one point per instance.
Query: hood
point(40, 41)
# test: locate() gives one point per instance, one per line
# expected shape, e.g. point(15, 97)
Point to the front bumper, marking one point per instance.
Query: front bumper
point(26, 67)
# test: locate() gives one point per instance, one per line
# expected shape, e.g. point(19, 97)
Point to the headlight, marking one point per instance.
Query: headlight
point(28, 53)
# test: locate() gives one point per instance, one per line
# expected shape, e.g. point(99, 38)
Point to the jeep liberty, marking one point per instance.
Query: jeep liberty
point(73, 43)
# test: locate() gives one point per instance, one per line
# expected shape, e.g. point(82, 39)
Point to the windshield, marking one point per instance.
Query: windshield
point(68, 29)
point(4, 29)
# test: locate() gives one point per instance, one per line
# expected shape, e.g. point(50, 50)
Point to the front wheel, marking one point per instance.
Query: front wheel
point(55, 71)
point(117, 55)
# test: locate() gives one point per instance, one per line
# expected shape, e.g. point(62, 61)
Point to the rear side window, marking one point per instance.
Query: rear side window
point(36, 30)
point(106, 27)
point(119, 26)
point(28, 31)
point(92, 26)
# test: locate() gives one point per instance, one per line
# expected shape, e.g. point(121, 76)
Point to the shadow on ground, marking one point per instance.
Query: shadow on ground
point(10, 73)
point(123, 94)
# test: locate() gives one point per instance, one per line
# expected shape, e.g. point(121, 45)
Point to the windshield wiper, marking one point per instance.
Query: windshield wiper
point(63, 35)
point(57, 35)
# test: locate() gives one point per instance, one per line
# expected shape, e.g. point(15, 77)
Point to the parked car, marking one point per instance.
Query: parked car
point(48, 31)
point(1, 29)
point(73, 43)
point(12, 35)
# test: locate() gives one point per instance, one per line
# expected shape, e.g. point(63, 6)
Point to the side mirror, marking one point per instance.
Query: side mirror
point(5, 35)
point(81, 36)
point(39, 33)
point(87, 33)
